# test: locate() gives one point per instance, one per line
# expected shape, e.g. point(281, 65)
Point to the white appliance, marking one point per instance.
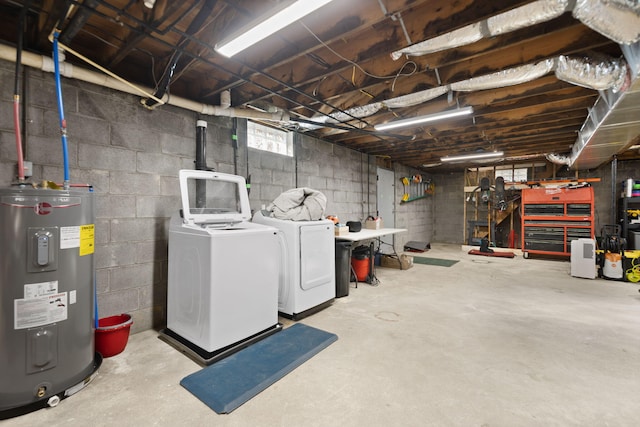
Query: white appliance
point(583, 258)
point(223, 269)
point(307, 281)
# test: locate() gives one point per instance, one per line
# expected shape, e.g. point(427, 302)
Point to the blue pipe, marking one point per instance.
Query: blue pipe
point(63, 122)
point(96, 322)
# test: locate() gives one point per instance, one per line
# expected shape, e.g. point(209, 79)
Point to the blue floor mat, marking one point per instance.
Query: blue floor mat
point(232, 381)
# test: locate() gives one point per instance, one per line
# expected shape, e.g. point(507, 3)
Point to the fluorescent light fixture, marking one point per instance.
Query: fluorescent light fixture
point(473, 156)
point(266, 26)
point(425, 119)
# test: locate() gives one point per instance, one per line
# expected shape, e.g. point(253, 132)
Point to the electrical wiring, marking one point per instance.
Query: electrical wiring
point(356, 65)
point(108, 43)
point(139, 26)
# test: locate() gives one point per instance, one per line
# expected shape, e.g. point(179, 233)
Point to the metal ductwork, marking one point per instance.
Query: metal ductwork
point(613, 123)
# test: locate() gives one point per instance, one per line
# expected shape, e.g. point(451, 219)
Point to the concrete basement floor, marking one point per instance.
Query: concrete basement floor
point(486, 342)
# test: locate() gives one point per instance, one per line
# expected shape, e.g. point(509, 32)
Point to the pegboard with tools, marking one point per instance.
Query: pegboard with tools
point(415, 188)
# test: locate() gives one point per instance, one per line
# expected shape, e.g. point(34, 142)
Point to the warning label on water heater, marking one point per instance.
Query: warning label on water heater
point(82, 237)
point(39, 311)
point(87, 239)
point(69, 237)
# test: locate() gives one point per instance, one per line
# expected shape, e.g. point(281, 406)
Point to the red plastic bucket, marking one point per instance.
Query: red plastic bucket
point(112, 334)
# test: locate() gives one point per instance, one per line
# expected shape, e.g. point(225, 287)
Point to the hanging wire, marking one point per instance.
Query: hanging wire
point(154, 32)
point(356, 65)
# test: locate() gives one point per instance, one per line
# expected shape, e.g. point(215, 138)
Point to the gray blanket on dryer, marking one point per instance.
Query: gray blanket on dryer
point(299, 204)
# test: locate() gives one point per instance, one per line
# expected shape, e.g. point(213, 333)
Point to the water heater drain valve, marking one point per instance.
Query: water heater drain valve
point(53, 401)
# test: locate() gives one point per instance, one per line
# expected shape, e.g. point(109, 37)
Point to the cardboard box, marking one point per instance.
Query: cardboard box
point(373, 224)
point(341, 230)
point(391, 261)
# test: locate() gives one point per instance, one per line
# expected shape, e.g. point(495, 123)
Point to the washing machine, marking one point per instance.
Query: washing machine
point(223, 269)
point(307, 281)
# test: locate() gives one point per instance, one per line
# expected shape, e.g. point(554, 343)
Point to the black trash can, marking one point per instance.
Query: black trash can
point(343, 268)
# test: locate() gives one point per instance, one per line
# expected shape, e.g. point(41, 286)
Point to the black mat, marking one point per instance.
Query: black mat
point(416, 246)
point(232, 381)
point(434, 261)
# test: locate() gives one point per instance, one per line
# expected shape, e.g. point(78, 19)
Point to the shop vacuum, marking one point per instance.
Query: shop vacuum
point(612, 246)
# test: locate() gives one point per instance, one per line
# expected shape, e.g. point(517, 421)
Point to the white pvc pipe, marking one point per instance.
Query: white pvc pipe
point(45, 63)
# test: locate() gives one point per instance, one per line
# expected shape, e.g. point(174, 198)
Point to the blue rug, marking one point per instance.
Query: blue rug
point(234, 380)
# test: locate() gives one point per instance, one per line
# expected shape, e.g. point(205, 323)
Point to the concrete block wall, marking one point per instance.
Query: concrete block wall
point(132, 156)
point(414, 216)
point(448, 210)
point(606, 194)
point(342, 175)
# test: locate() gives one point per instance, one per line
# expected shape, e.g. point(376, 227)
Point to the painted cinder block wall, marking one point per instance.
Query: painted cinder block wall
point(132, 156)
point(448, 209)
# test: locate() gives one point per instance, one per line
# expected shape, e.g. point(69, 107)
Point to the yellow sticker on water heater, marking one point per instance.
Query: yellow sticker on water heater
point(87, 239)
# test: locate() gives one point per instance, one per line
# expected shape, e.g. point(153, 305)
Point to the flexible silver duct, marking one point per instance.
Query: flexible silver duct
point(558, 159)
point(527, 16)
point(416, 98)
point(358, 112)
point(460, 37)
point(504, 78)
point(598, 75)
point(619, 20)
point(605, 74)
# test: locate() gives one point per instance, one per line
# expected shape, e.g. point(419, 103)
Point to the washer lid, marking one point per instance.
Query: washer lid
point(213, 197)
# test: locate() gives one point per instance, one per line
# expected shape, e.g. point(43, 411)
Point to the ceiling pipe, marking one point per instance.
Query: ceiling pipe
point(154, 30)
point(77, 22)
point(68, 70)
point(167, 76)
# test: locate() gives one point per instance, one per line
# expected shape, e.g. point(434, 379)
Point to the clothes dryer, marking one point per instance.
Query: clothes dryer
point(307, 281)
point(223, 269)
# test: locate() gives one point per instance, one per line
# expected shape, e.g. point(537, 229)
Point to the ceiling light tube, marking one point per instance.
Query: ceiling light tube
point(472, 156)
point(266, 26)
point(425, 119)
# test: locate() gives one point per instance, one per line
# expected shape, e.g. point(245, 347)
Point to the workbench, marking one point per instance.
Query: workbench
point(370, 235)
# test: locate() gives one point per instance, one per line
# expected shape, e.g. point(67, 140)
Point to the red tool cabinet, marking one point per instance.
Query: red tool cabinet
point(553, 217)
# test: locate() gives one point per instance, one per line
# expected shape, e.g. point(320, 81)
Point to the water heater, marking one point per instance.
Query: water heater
point(47, 315)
